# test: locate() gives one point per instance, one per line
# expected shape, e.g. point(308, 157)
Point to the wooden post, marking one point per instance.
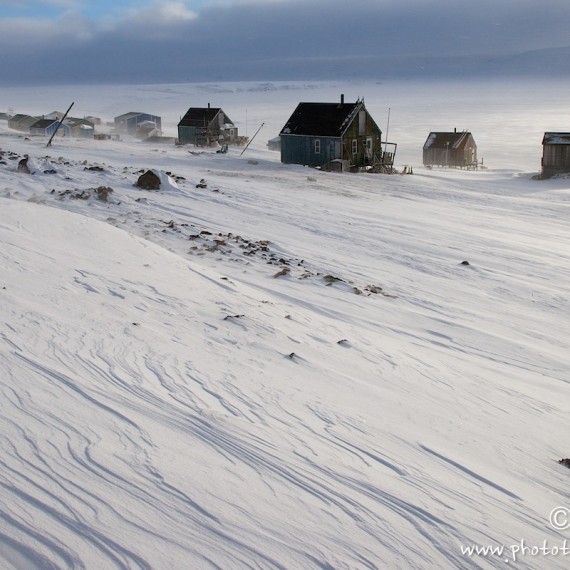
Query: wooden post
point(251, 139)
point(59, 125)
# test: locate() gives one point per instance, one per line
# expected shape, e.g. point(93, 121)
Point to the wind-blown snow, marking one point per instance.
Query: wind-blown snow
point(285, 369)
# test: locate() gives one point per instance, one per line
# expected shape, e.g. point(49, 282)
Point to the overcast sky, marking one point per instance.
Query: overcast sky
point(146, 41)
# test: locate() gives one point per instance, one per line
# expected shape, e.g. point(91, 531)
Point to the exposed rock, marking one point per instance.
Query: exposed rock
point(565, 462)
point(103, 192)
point(148, 181)
point(283, 272)
point(465, 263)
point(331, 278)
point(23, 166)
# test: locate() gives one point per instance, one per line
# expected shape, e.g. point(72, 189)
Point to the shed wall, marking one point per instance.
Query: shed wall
point(555, 159)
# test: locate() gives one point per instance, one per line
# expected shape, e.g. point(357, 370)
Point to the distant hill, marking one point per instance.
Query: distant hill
point(549, 62)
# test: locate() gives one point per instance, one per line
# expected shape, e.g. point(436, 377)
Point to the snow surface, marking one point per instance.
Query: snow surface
point(286, 368)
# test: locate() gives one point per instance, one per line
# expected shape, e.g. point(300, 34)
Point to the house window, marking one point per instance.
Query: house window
point(354, 146)
point(317, 146)
point(369, 147)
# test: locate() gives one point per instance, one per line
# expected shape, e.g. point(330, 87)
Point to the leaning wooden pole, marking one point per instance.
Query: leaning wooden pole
point(59, 124)
point(387, 129)
point(251, 139)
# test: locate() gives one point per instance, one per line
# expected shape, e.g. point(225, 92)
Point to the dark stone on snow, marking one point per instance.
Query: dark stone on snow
point(103, 193)
point(23, 166)
point(465, 263)
point(284, 271)
point(565, 462)
point(148, 181)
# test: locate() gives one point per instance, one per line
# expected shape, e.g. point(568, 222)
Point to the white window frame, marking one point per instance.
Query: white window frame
point(354, 146)
point(317, 146)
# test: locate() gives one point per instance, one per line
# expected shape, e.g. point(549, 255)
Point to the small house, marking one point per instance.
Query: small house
point(22, 122)
point(450, 149)
point(335, 136)
point(206, 126)
point(555, 154)
point(47, 127)
point(55, 115)
point(80, 128)
point(132, 122)
point(94, 120)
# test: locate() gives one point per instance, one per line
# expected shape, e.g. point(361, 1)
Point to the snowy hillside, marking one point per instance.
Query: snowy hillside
point(285, 368)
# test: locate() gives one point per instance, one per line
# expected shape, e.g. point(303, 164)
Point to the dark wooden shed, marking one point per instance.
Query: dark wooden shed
point(337, 136)
point(206, 126)
point(555, 154)
point(450, 149)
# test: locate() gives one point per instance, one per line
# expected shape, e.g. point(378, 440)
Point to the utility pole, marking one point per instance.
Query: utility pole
point(251, 139)
point(59, 125)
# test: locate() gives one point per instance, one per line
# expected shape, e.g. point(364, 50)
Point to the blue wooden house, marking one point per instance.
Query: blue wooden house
point(132, 122)
point(46, 127)
point(335, 136)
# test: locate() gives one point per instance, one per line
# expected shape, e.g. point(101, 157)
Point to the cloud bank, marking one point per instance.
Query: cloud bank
point(181, 41)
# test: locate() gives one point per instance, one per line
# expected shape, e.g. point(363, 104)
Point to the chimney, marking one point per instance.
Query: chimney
point(455, 130)
point(208, 105)
point(342, 98)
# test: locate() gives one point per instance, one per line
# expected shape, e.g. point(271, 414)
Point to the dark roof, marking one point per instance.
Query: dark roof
point(556, 138)
point(19, 117)
point(199, 116)
point(320, 119)
point(43, 123)
point(447, 140)
point(23, 122)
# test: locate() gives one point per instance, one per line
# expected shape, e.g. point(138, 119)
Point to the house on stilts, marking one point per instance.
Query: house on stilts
point(338, 136)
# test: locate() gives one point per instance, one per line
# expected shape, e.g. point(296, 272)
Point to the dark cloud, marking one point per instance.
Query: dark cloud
point(292, 40)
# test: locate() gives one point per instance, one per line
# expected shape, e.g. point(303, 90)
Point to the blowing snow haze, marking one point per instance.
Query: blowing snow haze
point(47, 42)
